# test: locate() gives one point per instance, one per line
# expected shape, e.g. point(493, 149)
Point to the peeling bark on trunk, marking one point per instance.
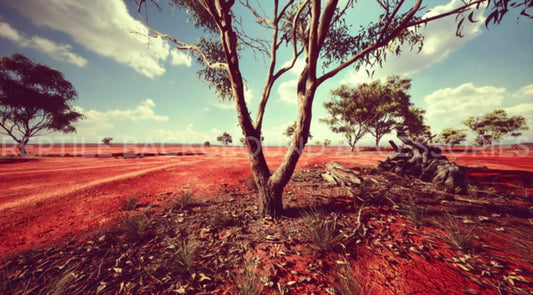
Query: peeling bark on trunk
point(426, 163)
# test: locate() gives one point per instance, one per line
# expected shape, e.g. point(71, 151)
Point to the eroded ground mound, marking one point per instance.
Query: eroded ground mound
point(390, 235)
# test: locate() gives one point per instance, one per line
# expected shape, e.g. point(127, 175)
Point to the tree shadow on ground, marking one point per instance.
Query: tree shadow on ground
point(13, 160)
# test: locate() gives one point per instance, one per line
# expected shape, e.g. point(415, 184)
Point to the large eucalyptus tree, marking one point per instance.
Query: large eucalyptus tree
point(315, 31)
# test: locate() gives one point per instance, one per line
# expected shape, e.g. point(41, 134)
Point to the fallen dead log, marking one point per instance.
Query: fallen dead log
point(337, 174)
point(426, 163)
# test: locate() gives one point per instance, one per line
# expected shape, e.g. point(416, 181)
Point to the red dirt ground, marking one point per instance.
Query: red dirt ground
point(44, 200)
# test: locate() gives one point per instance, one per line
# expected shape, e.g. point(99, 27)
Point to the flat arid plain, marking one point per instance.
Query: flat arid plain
point(64, 224)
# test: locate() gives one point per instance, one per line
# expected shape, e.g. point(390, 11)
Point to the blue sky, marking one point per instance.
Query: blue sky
point(139, 89)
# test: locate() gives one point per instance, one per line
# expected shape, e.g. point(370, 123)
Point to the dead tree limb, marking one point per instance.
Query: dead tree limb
point(337, 174)
point(428, 164)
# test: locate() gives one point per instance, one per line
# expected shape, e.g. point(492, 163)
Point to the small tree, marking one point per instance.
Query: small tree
point(225, 138)
point(317, 32)
point(376, 108)
point(207, 144)
point(349, 112)
point(327, 142)
point(34, 100)
point(107, 140)
point(494, 126)
point(452, 136)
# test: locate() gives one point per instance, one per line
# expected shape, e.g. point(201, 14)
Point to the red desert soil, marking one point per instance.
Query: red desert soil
point(46, 200)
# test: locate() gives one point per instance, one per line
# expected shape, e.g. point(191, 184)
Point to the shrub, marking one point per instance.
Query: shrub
point(415, 213)
point(321, 232)
point(248, 281)
point(134, 224)
point(346, 280)
point(185, 199)
point(459, 235)
point(185, 252)
point(131, 203)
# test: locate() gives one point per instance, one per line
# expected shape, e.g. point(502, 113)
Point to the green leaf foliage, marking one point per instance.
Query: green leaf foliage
point(494, 126)
point(34, 99)
point(376, 108)
point(452, 136)
point(225, 138)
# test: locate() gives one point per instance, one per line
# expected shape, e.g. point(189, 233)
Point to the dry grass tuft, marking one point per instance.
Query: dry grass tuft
point(321, 232)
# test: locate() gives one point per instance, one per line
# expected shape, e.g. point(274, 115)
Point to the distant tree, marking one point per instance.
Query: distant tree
point(494, 126)
point(289, 132)
point(394, 111)
point(350, 112)
point(34, 100)
point(327, 142)
point(243, 140)
point(225, 138)
point(107, 140)
point(317, 32)
point(207, 144)
point(376, 108)
point(452, 136)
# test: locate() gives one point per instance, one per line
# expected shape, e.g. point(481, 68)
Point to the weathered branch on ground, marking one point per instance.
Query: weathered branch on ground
point(337, 174)
point(426, 163)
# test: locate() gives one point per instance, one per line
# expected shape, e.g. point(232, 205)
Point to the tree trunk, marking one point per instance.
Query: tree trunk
point(270, 200)
point(23, 143)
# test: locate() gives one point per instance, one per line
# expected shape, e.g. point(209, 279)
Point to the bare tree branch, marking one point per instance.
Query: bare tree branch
point(260, 19)
point(181, 45)
point(403, 25)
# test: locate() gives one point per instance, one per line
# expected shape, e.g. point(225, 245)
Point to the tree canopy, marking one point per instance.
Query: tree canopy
point(494, 126)
point(313, 31)
point(376, 108)
point(225, 138)
point(452, 136)
point(34, 100)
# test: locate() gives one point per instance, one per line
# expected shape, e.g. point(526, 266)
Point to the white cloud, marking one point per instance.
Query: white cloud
point(95, 120)
point(61, 52)
point(450, 106)
point(287, 91)
point(525, 92)
point(440, 41)
point(104, 27)
point(179, 58)
point(186, 134)
point(144, 111)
